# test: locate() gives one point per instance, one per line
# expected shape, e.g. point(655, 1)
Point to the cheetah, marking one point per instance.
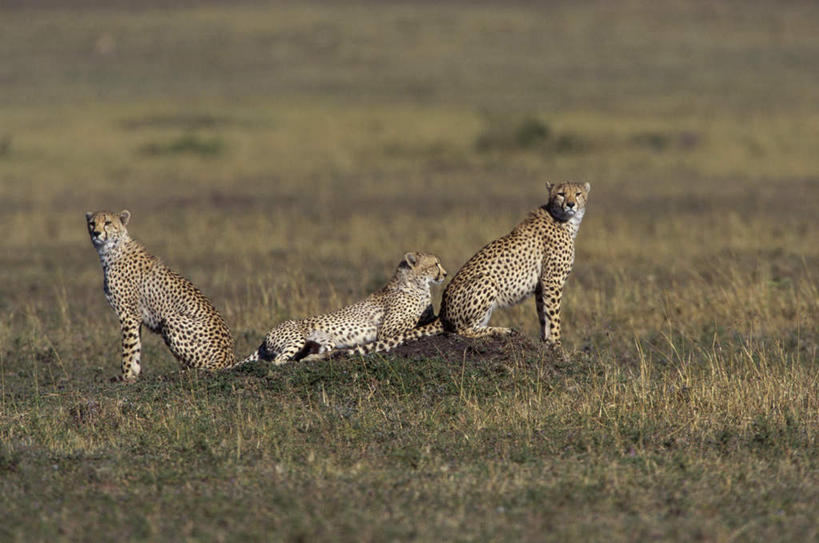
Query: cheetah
point(142, 290)
point(534, 258)
point(400, 305)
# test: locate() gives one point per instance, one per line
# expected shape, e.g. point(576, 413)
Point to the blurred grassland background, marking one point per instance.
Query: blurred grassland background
point(284, 156)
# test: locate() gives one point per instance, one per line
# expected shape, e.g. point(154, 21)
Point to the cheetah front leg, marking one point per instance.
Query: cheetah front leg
point(131, 349)
point(547, 299)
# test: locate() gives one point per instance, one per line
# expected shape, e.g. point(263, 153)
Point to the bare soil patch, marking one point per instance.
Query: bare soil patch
point(510, 349)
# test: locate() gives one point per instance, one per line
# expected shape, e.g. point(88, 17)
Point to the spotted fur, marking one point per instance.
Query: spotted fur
point(534, 258)
point(142, 290)
point(396, 308)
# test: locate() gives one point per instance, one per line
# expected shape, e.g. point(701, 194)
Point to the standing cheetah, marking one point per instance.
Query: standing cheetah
point(396, 308)
point(142, 290)
point(535, 258)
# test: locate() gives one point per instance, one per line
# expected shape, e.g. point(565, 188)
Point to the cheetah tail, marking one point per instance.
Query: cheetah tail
point(252, 357)
point(434, 328)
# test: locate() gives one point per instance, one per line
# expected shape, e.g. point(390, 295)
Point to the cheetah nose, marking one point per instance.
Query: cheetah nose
point(97, 234)
point(570, 204)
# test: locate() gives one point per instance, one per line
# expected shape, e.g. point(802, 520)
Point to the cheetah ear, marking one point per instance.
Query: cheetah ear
point(88, 216)
point(411, 259)
point(587, 186)
point(124, 216)
point(549, 187)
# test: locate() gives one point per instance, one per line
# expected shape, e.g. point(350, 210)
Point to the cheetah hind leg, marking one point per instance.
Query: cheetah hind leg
point(314, 351)
point(474, 305)
point(318, 346)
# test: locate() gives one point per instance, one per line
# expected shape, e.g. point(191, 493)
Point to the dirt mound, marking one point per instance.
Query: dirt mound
point(515, 347)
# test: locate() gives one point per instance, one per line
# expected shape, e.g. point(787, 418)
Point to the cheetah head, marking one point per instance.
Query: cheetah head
point(107, 227)
point(425, 266)
point(567, 200)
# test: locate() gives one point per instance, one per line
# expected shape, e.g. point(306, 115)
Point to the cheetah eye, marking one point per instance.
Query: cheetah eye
point(561, 194)
point(107, 223)
point(578, 194)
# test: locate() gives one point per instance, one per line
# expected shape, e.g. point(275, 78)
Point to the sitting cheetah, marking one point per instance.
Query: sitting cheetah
point(535, 258)
point(396, 308)
point(142, 290)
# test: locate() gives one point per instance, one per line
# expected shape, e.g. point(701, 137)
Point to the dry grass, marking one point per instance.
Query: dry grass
point(285, 157)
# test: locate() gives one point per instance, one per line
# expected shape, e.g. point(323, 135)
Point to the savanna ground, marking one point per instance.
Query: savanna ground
point(284, 157)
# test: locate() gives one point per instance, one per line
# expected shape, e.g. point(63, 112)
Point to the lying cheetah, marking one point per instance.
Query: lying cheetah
point(142, 290)
point(535, 258)
point(396, 308)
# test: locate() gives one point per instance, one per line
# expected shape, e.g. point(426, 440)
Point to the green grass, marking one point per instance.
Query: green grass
point(285, 157)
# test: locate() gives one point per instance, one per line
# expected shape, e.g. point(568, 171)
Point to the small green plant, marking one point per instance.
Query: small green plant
point(665, 141)
point(531, 132)
point(527, 134)
point(9, 459)
point(186, 144)
point(504, 134)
